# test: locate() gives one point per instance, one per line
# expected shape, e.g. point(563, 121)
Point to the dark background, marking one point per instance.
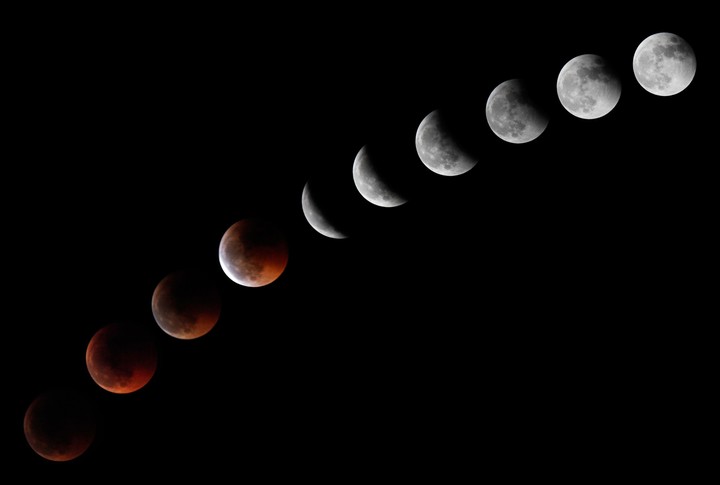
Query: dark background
point(542, 314)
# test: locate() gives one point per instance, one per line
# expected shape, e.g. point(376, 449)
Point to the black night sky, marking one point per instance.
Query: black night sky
point(543, 314)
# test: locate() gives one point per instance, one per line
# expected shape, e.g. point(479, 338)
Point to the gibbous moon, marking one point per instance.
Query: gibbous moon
point(253, 252)
point(186, 304)
point(121, 357)
point(316, 213)
point(664, 64)
point(438, 148)
point(372, 182)
point(60, 425)
point(588, 87)
point(513, 115)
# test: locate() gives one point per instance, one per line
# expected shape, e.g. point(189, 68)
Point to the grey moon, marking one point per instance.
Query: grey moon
point(664, 64)
point(588, 87)
point(370, 182)
point(512, 115)
point(438, 150)
point(316, 217)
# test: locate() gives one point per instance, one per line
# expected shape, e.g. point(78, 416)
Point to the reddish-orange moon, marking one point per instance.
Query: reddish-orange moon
point(121, 357)
point(60, 425)
point(253, 252)
point(186, 304)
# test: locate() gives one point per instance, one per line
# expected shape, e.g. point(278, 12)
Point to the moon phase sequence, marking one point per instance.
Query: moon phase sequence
point(664, 64)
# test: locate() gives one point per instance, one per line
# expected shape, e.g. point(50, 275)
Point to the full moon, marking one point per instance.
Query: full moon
point(186, 304)
point(253, 252)
point(317, 216)
point(664, 64)
point(588, 87)
point(438, 149)
point(512, 114)
point(372, 181)
point(121, 357)
point(60, 425)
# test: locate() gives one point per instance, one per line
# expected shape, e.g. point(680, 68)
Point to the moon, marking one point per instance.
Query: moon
point(588, 87)
point(316, 213)
point(121, 357)
point(60, 425)
point(438, 149)
point(664, 64)
point(253, 252)
point(186, 304)
point(512, 114)
point(371, 178)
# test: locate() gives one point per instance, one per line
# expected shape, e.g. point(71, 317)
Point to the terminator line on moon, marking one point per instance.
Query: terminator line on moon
point(372, 183)
point(253, 252)
point(588, 87)
point(317, 216)
point(664, 64)
point(438, 149)
point(512, 115)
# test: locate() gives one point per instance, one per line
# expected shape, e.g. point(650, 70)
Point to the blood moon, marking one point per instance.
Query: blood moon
point(253, 252)
point(60, 424)
point(121, 357)
point(186, 304)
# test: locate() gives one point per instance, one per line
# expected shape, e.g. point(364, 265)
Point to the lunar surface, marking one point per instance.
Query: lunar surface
point(317, 216)
point(664, 64)
point(372, 182)
point(60, 425)
point(588, 87)
point(186, 304)
point(253, 252)
point(513, 115)
point(438, 149)
point(121, 357)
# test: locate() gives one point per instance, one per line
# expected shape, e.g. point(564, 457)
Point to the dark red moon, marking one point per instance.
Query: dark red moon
point(60, 425)
point(121, 357)
point(186, 304)
point(253, 252)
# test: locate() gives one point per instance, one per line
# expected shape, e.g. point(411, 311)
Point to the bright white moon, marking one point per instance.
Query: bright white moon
point(664, 64)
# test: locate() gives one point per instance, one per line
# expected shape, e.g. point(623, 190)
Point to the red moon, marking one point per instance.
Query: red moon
point(121, 357)
point(253, 252)
point(186, 304)
point(60, 425)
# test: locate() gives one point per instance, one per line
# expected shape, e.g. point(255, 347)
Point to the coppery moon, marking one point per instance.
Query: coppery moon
point(186, 304)
point(60, 424)
point(121, 357)
point(253, 252)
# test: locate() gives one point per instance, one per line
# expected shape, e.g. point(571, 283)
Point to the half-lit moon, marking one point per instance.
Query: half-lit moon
point(253, 252)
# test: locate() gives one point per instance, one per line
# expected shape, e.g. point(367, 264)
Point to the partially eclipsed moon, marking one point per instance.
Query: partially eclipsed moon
point(588, 87)
point(438, 149)
point(121, 357)
point(512, 114)
point(253, 252)
point(317, 215)
point(60, 425)
point(372, 183)
point(664, 64)
point(186, 304)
